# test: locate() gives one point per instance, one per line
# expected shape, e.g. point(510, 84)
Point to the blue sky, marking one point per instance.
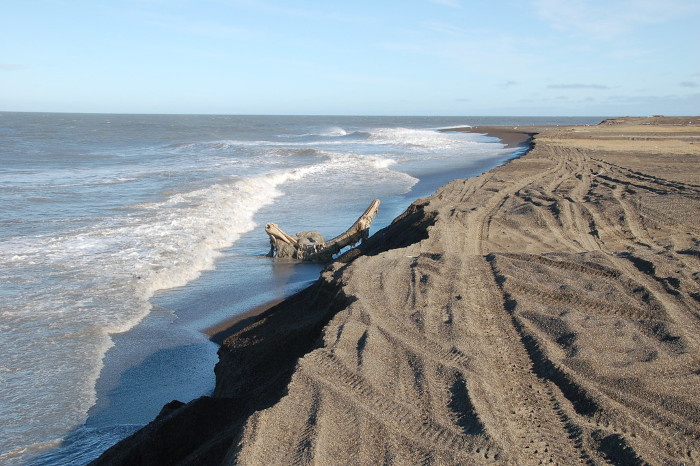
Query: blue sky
point(440, 57)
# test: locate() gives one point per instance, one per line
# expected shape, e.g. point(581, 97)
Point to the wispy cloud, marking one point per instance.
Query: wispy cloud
point(508, 84)
point(495, 56)
point(449, 3)
point(207, 28)
point(577, 86)
point(606, 20)
point(407, 47)
point(690, 101)
point(688, 84)
point(305, 12)
point(12, 67)
point(445, 28)
point(630, 53)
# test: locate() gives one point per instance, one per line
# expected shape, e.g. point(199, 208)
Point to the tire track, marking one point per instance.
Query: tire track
point(552, 297)
point(323, 367)
point(436, 357)
point(592, 270)
point(512, 402)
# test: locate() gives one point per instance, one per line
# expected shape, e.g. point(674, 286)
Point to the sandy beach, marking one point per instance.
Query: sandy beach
point(547, 311)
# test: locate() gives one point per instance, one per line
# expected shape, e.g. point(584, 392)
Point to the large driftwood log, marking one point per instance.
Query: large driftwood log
point(312, 246)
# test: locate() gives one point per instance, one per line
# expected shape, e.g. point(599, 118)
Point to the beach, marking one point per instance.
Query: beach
point(546, 311)
point(130, 242)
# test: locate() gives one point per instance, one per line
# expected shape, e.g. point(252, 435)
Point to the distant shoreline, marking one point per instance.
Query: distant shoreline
point(510, 136)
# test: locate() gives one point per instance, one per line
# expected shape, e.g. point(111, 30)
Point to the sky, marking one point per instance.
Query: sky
point(410, 57)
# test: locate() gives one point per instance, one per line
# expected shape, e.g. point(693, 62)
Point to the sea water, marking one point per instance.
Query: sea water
point(128, 223)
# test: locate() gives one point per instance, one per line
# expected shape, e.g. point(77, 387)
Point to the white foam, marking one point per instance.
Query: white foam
point(103, 278)
point(378, 162)
point(334, 131)
point(427, 139)
point(67, 285)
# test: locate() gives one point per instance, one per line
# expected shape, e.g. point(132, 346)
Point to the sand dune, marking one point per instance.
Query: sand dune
point(547, 311)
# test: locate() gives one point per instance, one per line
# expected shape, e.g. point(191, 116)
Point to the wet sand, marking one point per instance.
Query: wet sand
point(547, 311)
point(222, 330)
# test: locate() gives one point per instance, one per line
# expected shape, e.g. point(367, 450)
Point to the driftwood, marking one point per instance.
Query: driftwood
point(311, 245)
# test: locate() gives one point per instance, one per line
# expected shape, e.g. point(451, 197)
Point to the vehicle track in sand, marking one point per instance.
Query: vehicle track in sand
point(675, 433)
point(547, 311)
point(550, 316)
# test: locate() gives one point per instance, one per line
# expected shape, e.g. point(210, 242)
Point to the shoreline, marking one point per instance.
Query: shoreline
point(164, 340)
point(218, 332)
point(511, 137)
point(174, 335)
point(522, 314)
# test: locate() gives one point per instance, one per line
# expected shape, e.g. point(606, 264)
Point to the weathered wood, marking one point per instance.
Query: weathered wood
point(312, 246)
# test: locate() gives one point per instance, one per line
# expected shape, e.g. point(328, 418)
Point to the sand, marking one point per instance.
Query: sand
point(547, 311)
point(222, 330)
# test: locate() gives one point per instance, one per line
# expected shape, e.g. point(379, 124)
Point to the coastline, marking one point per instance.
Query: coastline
point(511, 137)
point(561, 277)
point(171, 353)
point(224, 329)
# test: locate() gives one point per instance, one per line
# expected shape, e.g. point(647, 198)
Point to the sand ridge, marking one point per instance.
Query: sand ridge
point(547, 311)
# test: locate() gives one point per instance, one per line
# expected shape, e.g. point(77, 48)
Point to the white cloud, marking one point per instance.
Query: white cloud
point(630, 53)
point(606, 20)
point(445, 28)
point(12, 67)
point(408, 47)
point(449, 3)
point(197, 27)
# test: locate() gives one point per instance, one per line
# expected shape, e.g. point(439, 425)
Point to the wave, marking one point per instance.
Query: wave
point(455, 127)
point(333, 131)
point(332, 135)
point(102, 277)
point(433, 143)
point(361, 135)
point(91, 241)
point(305, 152)
point(343, 135)
point(207, 146)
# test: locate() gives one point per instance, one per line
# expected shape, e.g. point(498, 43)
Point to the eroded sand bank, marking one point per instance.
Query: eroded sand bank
point(546, 311)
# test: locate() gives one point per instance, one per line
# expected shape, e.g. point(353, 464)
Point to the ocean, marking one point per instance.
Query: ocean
point(124, 237)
